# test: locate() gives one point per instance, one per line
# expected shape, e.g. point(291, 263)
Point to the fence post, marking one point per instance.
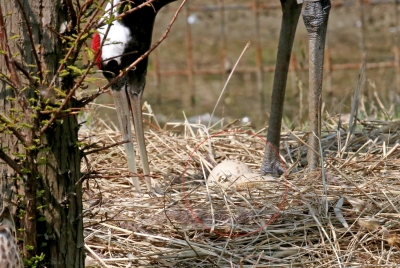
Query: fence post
point(157, 75)
point(396, 46)
point(362, 28)
point(224, 59)
point(189, 59)
point(259, 72)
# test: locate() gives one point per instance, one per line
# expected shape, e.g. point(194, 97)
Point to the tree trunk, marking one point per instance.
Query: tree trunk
point(48, 198)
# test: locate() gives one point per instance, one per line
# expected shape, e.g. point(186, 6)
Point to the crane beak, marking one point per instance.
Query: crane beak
point(121, 101)
point(128, 101)
point(134, 93)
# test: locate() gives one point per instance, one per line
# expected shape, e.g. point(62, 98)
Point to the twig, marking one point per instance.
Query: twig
point(72, 14)
point(84, 7)
point(25, 72)
point(105, 147)
point(96, 256)
point(58, 34)
point(101, 23)
point(9, 202)
point(94, 175)
point(17, 134)
point(66, 100)
point(83, 102)
point(6, 80)
point(67, 111)
point(9, 161)
point(227, 81)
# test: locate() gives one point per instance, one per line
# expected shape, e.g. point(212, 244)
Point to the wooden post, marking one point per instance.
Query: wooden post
point(189, 60)
point(260, 71)
point(396, 48)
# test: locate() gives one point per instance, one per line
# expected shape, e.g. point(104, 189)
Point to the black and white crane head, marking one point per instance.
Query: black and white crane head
point(122, 40)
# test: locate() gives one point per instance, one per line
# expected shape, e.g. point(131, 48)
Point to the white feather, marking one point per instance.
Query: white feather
point(117, 38)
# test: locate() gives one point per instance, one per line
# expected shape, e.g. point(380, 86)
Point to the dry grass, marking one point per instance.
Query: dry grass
point(346, 215)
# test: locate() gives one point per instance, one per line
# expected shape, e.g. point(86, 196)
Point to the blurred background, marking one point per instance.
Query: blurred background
point(188, 70)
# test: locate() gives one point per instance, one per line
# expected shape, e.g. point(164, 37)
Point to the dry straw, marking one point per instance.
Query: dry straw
point(346, 216)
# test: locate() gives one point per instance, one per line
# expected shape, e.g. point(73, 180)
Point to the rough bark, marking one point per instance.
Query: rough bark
point(50, 191)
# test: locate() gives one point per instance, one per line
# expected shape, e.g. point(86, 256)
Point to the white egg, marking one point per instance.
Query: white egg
point(230, 173)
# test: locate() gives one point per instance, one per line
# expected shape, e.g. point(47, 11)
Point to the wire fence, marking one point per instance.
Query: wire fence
point(209, 32)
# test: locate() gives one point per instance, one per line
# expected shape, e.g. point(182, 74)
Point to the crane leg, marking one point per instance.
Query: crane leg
point(291, 12)
point(315, 16)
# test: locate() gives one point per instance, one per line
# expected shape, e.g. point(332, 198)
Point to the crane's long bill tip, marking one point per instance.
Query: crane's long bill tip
point(135, 93)
point(123, 112)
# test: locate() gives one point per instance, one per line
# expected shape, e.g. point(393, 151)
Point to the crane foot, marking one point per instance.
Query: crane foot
point(272, 164)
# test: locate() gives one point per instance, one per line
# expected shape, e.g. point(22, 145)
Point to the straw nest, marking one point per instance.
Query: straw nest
point(345, 214)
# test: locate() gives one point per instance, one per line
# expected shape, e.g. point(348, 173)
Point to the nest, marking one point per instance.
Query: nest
point(345, 214)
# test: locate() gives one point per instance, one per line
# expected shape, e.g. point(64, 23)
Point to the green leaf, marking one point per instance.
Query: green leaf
point(27, 125)
point(64, 73)
point(59, 92)
point(83, 37)
point(75, 70)
point(90, 54)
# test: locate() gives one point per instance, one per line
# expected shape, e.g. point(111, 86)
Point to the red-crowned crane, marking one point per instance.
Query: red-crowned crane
point(128, 38)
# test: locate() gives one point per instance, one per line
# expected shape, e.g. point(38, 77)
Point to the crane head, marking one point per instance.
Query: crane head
point(120, 42)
